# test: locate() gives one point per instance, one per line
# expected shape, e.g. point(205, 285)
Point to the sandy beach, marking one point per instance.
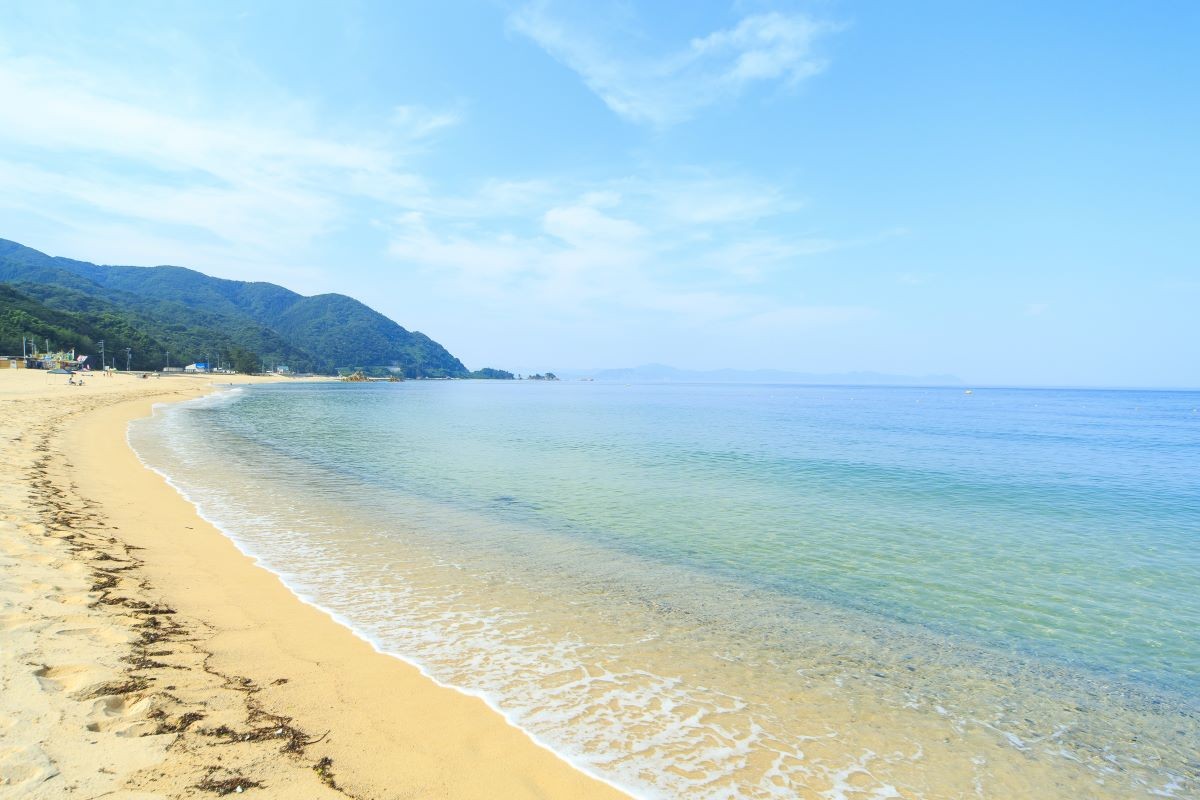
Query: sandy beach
point(142, 655)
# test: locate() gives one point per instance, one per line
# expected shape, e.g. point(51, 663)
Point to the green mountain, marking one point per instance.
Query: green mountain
point(195, 317)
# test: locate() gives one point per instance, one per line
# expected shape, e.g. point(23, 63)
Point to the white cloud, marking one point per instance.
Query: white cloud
point(581, 257)
point(416, 122)
point(754, 258)
point(617, 248)
point(252, 185)
point(582, 225)
point(496, 198)
point(478, 262)
point(661, 89)
point(764, 47)
point(707, 199)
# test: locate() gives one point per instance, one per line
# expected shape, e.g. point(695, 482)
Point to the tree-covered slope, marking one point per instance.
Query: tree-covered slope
point(196, 315)
point(94, 319)
point(22, 316)
point(345, 325)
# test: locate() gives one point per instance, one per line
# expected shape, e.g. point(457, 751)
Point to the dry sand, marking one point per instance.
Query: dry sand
point(142, 655)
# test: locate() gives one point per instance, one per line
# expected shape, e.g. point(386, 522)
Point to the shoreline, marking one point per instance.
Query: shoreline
point(344, 622)
point(193, 669)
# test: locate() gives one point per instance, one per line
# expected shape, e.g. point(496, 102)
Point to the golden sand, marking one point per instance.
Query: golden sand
point(142, 655)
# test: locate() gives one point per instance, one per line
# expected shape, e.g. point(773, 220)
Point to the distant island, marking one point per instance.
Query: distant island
point(660, 373)
point(151, 317)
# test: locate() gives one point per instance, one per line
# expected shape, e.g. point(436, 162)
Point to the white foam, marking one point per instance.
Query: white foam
point(289, 581)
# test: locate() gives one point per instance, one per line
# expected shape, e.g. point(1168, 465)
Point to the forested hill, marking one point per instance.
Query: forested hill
point(22, 316)
point(194, 317)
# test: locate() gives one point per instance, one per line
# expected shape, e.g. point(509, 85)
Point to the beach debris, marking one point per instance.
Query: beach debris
point(133, 684)
point(224, 786)
point(324, 770)
point(179, 725)
point(295, 740)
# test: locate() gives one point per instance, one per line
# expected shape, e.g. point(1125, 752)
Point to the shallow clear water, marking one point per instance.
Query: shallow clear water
point(722, 591)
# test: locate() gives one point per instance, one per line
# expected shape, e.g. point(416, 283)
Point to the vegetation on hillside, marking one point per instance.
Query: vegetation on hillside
point(488, 373)
point(195, 317)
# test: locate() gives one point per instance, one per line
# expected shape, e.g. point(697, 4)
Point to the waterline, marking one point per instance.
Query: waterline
point(675, 672)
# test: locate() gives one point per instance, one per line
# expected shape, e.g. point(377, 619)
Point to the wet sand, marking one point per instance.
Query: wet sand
point(142, 655)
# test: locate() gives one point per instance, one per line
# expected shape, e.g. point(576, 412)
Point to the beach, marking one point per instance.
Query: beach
point(213, 588)
point(143, 655)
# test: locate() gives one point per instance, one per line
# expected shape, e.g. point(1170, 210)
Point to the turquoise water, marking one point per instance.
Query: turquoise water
point(715, 590)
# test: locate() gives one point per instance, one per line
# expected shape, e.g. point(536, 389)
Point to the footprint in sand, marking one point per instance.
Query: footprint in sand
point(122, 714)
point(107, 635)
point(69, 678)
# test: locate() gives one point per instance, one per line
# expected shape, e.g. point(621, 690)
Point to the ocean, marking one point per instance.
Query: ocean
point(759, 591)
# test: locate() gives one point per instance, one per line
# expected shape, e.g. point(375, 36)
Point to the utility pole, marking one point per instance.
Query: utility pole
point(101, 343)
point(128, 355)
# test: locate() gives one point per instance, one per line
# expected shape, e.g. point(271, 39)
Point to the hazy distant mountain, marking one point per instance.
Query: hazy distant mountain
point(196, 316)
point(660, 373)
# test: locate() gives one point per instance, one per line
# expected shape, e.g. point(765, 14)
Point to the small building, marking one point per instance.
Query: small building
point(12, 362)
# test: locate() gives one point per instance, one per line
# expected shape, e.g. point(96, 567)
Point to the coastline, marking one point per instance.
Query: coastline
point(145, 655)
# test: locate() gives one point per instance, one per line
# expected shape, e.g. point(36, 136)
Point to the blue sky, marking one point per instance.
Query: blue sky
point(1006, 191)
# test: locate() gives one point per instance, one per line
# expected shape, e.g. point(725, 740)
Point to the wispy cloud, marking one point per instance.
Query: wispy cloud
point(416, 122)
point(233, 184)
point(577, 255)
point(664, 88)
point(619, 245)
